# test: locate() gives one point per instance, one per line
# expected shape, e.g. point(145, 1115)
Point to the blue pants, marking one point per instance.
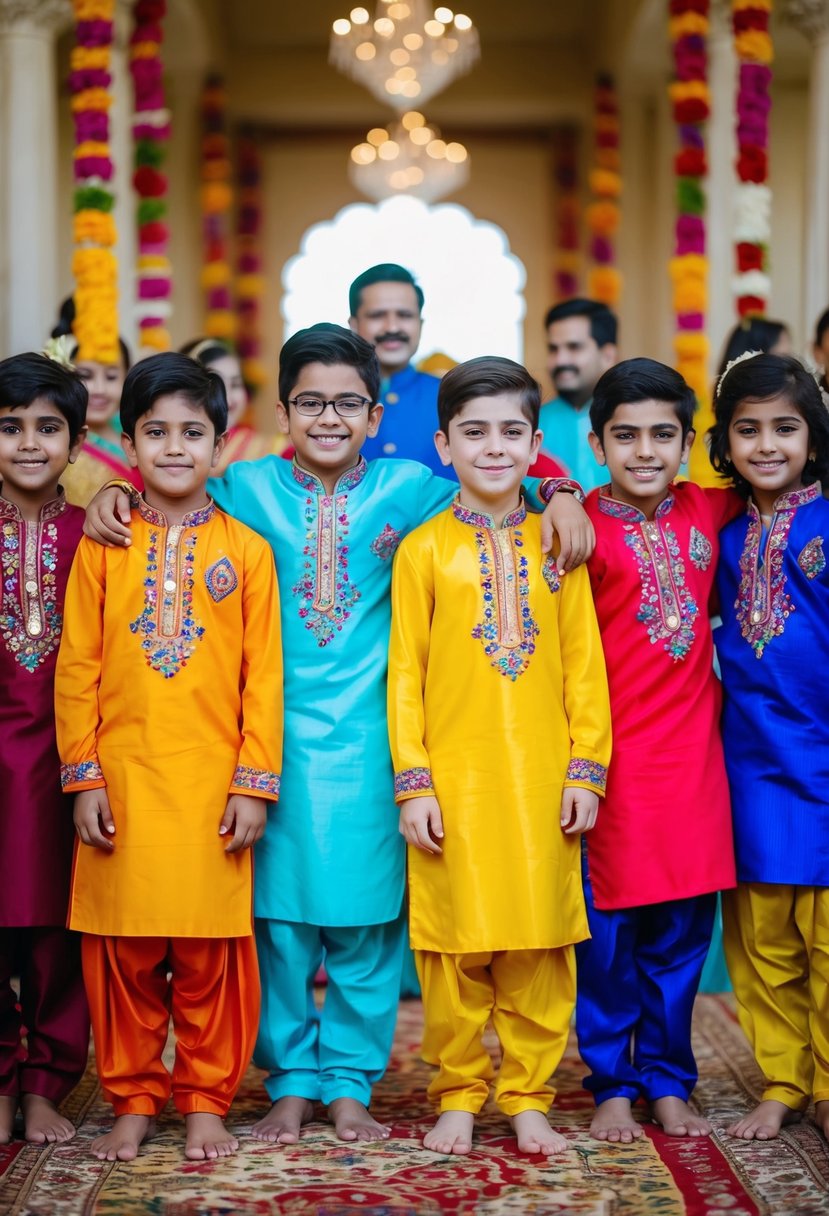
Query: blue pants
point(342, 1049)
point(636, 982)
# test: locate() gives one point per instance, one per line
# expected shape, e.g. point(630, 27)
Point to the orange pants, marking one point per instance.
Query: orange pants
point(213, 998)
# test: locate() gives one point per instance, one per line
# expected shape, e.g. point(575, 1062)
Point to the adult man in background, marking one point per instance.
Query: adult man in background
point(581, 346)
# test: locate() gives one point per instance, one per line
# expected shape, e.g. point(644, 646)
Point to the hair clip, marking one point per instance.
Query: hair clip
point(747, 354)
point(60, 350)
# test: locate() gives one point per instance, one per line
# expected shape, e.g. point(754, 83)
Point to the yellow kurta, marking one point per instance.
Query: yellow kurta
point(169, 692)
point(497, 700)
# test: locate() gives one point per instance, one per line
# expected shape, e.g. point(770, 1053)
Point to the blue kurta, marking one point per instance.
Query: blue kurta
point(565, 437)
point(773, 649)
point(407, 430)
point(332, 854)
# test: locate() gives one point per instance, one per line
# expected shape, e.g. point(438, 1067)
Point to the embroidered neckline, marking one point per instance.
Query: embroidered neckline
point(193, 519)
point(325, 589)
point(50, 510)
point(508, 630)
point(167, 628)
point(624, 510)
point(30, 620)
point(479, 519)
point(347, 481)
point(790, 501)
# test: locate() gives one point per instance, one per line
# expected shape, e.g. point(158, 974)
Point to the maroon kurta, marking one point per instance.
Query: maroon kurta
point(664, 829)
point(36, 831)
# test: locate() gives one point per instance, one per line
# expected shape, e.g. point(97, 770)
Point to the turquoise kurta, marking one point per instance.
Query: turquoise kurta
point(565, 437)
point(332, 854)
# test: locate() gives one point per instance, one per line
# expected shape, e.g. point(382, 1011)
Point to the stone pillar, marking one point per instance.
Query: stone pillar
point(722, 145)
point(28, 182)
point(811, 17)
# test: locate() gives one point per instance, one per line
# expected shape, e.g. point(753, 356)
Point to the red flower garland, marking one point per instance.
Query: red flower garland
point(216, 200)
point(603, 216)
point(568, 258)
point(753, 45)
point(250, 283)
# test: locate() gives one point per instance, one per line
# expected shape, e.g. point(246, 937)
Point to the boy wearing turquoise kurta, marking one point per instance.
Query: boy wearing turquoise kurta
point(330, 870)
point(498, 716)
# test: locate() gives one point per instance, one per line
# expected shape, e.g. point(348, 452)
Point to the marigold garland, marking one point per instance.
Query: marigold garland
point(752, 230)
point(94, 265)
point(603, 216)
point(216, 201)
point(568, 256)
point(250, 282)
point(150, 134)
point(688, 268)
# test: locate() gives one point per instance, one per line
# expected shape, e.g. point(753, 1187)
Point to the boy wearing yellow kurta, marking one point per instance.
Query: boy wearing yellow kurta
point(499, 716)
point(169, 716)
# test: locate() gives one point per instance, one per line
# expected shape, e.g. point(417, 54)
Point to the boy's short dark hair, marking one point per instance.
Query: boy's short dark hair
point(821, 327)
point(328, 344)
point(383, 272)
point(488, 376)
point(604, 325)
point(167, 374)
point(24, 378)
point(635, 380)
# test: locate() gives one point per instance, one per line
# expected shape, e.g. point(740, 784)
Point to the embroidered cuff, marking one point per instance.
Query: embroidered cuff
point(85, 773)
point(587, 772)
point(413, 781)
point(255, 781)
point(552, 485)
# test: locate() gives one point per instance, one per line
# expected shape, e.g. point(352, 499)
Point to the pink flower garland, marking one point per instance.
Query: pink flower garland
point(568, 258)
point(250, 282)
point(752, 42)
point(216, 200)
point(603, 215)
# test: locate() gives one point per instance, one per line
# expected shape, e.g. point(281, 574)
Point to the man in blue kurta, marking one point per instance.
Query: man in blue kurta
point(581, 346)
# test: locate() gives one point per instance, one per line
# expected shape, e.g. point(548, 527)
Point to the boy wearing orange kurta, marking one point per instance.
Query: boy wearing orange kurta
point(169, 721)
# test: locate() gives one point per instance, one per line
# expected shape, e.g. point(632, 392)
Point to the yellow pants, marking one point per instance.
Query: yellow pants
point(777, 948)
point(529, 994)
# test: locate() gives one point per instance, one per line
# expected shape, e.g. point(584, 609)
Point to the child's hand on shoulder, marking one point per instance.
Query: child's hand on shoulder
point(421, 823)
point(93, 819)
point(246, 817)
point(579, 808)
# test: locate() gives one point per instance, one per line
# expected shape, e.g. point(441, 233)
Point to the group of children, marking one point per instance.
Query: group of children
point(473, 677)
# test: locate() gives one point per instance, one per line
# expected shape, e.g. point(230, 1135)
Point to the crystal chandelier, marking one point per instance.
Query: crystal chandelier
point(408, 157)
point(409, 51)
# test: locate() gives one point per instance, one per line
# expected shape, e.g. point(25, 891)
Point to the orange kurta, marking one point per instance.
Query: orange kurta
point(169, 693)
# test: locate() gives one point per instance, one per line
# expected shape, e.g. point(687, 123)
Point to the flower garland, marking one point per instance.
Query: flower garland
point(250, 282)
point(604, 282)
point(753, 45)
point(568, 259)
point(216, 200)
point(691, 104)
point(150, 133)
point(94, 265)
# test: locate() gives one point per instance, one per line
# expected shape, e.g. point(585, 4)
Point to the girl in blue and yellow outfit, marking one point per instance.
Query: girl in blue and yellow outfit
point(771, 438)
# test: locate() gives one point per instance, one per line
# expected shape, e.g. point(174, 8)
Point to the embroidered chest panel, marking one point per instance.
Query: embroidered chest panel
point(667, 608)
point(30, 621)
point(763, 604)
point(325, 590)
point(508, 630)
point(167, 628)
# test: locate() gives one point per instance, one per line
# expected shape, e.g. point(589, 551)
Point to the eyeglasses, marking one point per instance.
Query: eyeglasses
point(313, 407)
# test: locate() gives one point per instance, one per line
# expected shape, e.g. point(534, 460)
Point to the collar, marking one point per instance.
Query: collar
point(347, 481)
point(193, 519)
point(790, 502)
point(399, 380)
point(479, 519)
point(49, 510)
point(632, 515)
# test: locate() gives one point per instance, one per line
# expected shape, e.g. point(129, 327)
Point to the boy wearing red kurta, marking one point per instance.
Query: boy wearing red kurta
point(169, 724)
point(662, 846)
point(42, 409)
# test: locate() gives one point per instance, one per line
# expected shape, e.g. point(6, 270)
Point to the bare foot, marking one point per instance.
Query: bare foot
point(128, 1134)
point(282, 1122)
point(42, 1123)
point(452, 1133)
point(676, 1118)
point(353, 1122)
point(822, 1117)
point(535, 1134)
point(614, 1122)
point(8, 1109)
point(765, 1121)
point(207, 1137)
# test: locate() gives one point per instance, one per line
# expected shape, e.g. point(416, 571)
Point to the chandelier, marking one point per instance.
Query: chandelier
point(408, 157)
point(410, 51)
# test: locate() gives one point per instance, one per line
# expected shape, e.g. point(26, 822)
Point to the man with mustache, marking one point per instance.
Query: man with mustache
point(385, 304)
point(581, 346)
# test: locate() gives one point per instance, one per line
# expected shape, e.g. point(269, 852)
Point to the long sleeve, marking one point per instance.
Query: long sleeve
point(260, 756)
point(586, 697)
point(78, 670)
point(412, 607)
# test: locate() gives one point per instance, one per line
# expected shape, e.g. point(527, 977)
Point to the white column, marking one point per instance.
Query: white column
point(28, 182)
point(722, 152)
point(120, 139)
point(811, 17)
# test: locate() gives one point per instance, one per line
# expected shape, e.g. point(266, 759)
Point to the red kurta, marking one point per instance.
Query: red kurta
point(664, 830)
point(36, 832)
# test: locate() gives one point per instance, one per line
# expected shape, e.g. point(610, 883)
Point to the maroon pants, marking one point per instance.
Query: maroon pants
point(53, 1012)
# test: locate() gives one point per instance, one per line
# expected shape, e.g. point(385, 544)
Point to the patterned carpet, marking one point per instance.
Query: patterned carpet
point(322, 1177)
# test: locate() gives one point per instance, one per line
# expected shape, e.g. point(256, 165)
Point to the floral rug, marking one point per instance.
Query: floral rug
point(323, 1177)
